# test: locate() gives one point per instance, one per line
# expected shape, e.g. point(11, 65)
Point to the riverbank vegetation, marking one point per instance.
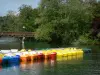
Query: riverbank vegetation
point(58, 22)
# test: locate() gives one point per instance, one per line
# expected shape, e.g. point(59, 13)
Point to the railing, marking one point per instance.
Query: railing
point(17, 34)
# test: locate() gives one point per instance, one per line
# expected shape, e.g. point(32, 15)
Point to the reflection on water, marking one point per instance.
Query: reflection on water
point(46, 67)
point(10, 43)
point(80, 65)
point(14, 70)
point(89, 64)
point(31, 68)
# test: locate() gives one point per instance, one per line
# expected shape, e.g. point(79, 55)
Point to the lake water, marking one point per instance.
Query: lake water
point(88, 64)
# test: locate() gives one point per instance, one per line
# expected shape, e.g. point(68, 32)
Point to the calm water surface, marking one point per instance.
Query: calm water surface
point(89, 64)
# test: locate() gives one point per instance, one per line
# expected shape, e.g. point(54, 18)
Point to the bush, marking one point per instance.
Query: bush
point(85, 40)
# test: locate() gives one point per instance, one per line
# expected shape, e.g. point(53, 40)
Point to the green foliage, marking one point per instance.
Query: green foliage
point(27, 17)
point(43, 32)
point(14, 22)
point(85, 40)
point(68, 20)
point(59, 21)
point(10, 23)
point(98, 35)
point(96, 7)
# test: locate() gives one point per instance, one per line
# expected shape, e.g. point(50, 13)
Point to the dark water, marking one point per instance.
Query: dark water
point(89, 64)
point(10, 43)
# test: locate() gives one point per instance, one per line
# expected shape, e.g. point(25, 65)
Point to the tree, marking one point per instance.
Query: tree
point(27, 17)
point(66, 20)
point(10, 22)
point(3, 23)
point(96, 7)
point(13, 22)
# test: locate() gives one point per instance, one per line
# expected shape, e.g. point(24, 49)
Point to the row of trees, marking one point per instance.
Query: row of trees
point(59, 21)
point(15, 22)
